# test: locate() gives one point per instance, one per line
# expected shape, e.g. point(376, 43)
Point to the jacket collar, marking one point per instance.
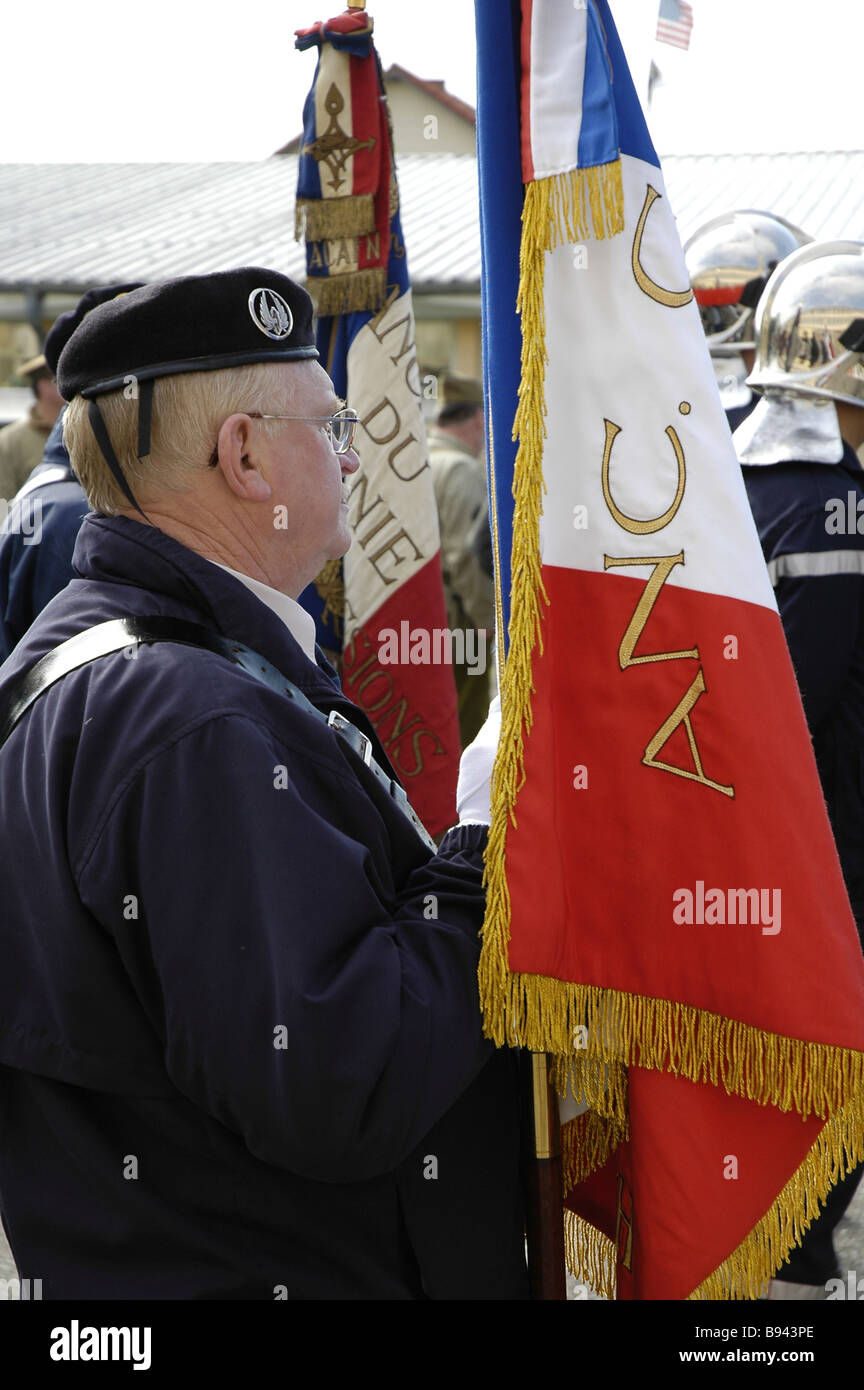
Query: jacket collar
point(115, 550)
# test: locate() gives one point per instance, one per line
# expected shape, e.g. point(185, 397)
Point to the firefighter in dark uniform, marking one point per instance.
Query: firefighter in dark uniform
point(729, 260)
point(241, 1046)
point(806, 490)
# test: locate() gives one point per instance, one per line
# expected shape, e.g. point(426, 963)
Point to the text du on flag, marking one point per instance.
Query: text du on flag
point(348, 213)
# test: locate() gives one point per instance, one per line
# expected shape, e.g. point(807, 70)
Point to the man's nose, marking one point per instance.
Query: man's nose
point(350, 461)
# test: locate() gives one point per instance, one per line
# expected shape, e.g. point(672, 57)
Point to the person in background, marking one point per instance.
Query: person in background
point(23, 442)
point(805, 485)
point(729, 260)
point(38, 534)
point(456, 454)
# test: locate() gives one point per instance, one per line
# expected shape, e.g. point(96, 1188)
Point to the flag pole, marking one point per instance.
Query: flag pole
point(545, 1213)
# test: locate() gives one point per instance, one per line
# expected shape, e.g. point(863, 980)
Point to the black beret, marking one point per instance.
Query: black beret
point(198, 323)
point(63, 327)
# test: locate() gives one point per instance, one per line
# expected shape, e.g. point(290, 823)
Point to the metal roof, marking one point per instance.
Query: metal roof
point(67, 226)
point(821, 192)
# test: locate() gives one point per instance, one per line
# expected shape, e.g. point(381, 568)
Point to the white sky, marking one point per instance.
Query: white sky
point(215, 79)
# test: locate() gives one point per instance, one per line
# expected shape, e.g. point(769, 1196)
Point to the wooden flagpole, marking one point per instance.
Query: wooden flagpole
point(545, 1213)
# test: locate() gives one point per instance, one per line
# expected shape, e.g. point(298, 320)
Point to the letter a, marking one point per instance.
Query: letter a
point(388, 650)
point(835, 521)
point(683, 912)
point(59, 1344)
point(681, 715)
point(730, 1166)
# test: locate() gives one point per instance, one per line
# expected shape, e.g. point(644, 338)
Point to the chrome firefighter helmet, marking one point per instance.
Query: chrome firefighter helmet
point(729, 261)
point(810, 325)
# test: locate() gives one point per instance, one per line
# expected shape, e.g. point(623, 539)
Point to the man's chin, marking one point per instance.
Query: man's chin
point(343, 545)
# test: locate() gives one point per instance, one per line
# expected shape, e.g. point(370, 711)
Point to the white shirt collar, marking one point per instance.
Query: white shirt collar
point(299, 623)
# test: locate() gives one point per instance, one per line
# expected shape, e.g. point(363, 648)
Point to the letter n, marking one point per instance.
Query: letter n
point(663, 567)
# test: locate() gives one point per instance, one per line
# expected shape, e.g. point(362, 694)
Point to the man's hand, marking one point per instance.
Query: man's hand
point(473, 795)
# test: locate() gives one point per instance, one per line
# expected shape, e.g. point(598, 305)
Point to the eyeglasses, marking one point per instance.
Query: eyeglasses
point(340, 427)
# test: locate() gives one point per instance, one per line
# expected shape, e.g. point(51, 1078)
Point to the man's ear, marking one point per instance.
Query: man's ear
point(239, 459)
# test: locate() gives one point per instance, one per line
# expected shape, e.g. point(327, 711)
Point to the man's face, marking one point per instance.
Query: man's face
point(308, 478)
point(50, 400)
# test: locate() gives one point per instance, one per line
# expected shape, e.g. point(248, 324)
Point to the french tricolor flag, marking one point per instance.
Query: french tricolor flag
point(666, 914)
point(348, 212)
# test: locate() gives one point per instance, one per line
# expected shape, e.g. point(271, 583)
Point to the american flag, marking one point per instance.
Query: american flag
point(675, 23)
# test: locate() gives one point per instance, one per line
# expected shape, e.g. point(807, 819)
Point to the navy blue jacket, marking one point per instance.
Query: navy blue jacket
point(37, 540)
point(737, 414)
point(239, 1028)
point(807, 517)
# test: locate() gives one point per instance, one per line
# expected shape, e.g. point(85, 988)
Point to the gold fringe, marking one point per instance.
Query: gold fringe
point(330, 219)
point(350, 293)
point(745, 1272)
point(578, 204)
point(330, 583)
point(587, 1143)
point(542, 1014)
point(562, 207)
point(525, 615)
point(589, 1255)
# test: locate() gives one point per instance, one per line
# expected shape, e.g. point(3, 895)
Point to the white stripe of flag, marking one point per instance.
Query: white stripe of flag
point(675, 23)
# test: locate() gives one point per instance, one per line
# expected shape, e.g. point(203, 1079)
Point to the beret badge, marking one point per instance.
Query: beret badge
point(270, 314)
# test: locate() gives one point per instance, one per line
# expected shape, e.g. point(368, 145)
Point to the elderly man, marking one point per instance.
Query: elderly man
point(238, 1011)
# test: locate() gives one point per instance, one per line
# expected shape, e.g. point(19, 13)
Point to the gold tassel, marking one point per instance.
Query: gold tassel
point(579, 204)
point(331, 219)
point(663, 1035)
point(587, 1143)
point(350, 293)
point(562, 207)
point(589, 1255)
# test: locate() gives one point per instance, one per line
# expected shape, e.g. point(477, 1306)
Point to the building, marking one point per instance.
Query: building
point(66, 227)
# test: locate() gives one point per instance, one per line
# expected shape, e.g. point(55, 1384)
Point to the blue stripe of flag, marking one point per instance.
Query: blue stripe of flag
point(499, 163)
